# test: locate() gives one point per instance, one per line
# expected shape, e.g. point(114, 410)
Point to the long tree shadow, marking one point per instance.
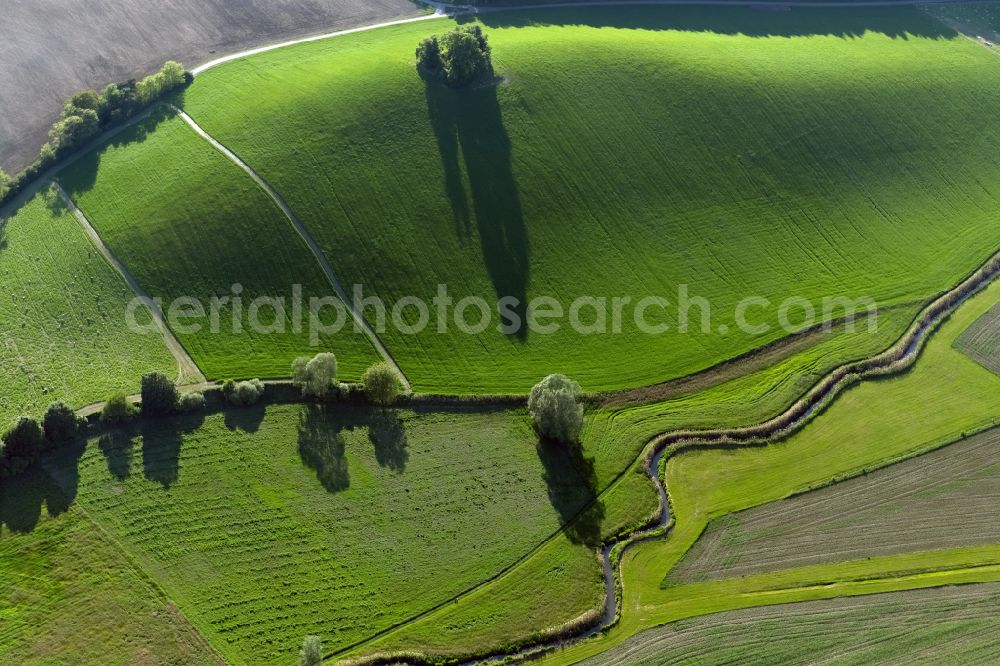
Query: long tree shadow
point(388, 435)
point(52, 482)
point(118, 448)
point(321, 447)
point(572, 488)
point(470, 122)
point(161, 447)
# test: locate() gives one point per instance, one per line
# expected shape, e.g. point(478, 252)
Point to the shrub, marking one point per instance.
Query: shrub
point(117, 409)
point(159, 395)
point(23, 442)
point(246, 393)
point(315, 377)
point(311, 653)
point(554, 406)
point(4, 184)
point(190, 403)
point(381, 383)
point(59, 423)
point(461, 57)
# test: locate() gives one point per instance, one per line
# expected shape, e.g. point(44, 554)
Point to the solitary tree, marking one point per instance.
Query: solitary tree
point(554, 406)
point(159, 395)
point(381, 383)
point(315, 376)
point(59, 423)
point(311, 653)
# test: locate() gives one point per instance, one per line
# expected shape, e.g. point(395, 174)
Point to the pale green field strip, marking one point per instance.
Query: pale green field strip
point(873, 424)
point(187, 222)
point(68, 595)
point(63, 333)
point(981, 341)
point(947, 625)
point(828, 168)
point(267, 525)
point(945, 498)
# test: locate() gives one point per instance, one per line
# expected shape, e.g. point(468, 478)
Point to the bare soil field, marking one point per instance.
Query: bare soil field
point(944, 499)
point(981, 341)
point(946, 625)
point(50, 49)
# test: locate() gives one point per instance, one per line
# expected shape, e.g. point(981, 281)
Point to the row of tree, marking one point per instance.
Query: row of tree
point(316, 377)
point(28, 439)
point(86, 114)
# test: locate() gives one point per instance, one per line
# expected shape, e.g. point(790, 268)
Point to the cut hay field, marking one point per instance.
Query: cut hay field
point(942, 499)
point(809, 153)
point(875, 423)
point(62, 316)
point(188, 223)
point(981, 341)
point(938, 625)
point(264, 525)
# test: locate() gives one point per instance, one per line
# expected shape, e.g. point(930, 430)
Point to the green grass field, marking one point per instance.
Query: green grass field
point(981, 341)
point(62, 317)
point(68, 595)
point(629, 151)
point(189, 223)
point(267, 525)
point(938, 625)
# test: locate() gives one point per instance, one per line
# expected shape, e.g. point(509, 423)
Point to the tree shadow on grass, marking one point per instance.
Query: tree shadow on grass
point(52, 482)
point(469, 121)
point(760, 21)
point(118, 447)
point(245, 419)
point(387, 433)
point(572, 487)
point(161, 447)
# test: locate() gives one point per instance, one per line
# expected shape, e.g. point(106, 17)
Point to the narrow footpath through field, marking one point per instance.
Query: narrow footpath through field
point(188, 371)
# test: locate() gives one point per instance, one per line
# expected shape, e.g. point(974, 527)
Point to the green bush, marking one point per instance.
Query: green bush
point(316, 377)
point(191, 403)
point(311, 653)
point(59, 423)
point(159, 395)
point(461, 57)
point(246, 393)
point(381, 383)
point(117, 409)
point(555, 409)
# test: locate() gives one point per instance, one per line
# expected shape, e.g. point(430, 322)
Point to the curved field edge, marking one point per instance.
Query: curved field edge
point(829, 449)
point(895, 360)
point(940, 624)
point(391, 148)
point(64, 334)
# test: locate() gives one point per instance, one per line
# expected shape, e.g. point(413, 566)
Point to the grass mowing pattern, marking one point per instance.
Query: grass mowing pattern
point(68, 595)
point(63, 333)
point(942, 499)
point(777, 162)
point(981, 341)
point(189, 223)
point(937, 625)
point(510, 608)
point(267, 525)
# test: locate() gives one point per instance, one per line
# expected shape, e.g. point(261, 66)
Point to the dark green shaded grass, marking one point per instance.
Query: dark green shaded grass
point(627, 162)
point(189, 223)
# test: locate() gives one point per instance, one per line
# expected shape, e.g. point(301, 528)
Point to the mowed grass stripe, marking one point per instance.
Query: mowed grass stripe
point(64, 334)
point(189, 223)
point(936, 625)
point(629, 151)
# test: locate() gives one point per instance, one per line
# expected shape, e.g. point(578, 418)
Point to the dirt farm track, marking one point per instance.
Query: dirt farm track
point(49, 49)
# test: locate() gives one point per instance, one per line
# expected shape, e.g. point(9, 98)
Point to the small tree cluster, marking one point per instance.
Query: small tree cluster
point(381, 383)
point(88, 113)
point(461, 57)
point(27, 439)
point(316, 377)
point(243, 394)
point(555, 408)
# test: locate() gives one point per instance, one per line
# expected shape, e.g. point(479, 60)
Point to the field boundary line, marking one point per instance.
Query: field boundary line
point(304, 234)
point(186, 367)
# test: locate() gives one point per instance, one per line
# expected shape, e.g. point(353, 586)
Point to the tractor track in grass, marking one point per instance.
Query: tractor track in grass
point(899, 357)
point(187, 369)
point(304, 234)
